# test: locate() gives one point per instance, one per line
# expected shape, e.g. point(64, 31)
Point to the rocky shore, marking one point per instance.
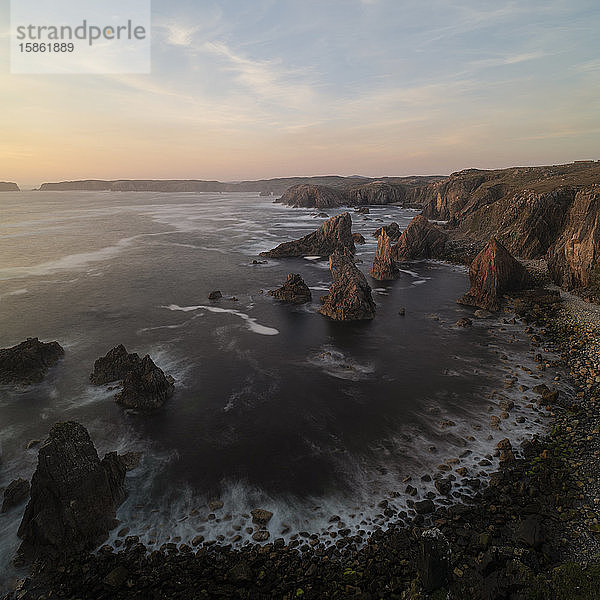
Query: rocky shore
point(531, 533)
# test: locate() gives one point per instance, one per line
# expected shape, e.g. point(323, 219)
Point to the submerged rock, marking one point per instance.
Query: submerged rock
point(74, 495)
point(384, 268)
point(28, 362)
point(349, 297)
point(145, 386)
point(493, 273)
point(421, 239)
point(294, 290)
point(392, 230)
point(16, 493)
point(334, 234)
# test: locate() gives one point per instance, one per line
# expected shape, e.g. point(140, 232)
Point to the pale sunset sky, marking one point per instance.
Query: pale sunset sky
point(253, 89)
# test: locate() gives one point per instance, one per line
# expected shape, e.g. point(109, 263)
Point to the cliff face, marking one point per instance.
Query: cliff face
point(317, 196)
point(573, 259)
point(6, 186)
point(334, 234)
point(376, 193)
point(493, 273)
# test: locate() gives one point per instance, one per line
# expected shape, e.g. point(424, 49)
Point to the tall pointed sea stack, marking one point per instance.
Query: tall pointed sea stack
point(494, 272)
point(421, 239)
point(334, 234)
point(384, 268)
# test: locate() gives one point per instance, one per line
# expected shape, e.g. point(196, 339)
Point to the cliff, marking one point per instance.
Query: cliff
point(6, 186)
point(317, 196)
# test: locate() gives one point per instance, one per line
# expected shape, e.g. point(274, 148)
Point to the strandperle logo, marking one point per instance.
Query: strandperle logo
point(90, 33)
point(80, 36)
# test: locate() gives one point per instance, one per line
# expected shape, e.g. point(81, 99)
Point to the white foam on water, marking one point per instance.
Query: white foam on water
point(19, 292)
point(411, 273)
point(338, 365)
point(419, 282)
point(251, 323)
point(312, 257)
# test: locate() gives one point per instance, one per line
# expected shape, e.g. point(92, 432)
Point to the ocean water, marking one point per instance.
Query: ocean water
point(275, 406)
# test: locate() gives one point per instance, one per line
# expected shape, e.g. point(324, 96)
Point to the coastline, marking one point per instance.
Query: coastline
point(519, 533)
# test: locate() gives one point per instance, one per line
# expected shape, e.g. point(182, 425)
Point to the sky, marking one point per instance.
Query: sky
point(269, 88)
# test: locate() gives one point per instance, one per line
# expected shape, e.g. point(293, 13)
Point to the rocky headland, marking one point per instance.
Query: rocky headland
point(28, 362)
point(7, 186)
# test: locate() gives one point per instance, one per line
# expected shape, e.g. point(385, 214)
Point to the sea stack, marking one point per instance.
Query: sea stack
point(74, 495)
point(28, 362)
point(294, 290)
point(494, 272)
point(421, 239)
point(334, 235)
point(384, 268)
point(349, 297)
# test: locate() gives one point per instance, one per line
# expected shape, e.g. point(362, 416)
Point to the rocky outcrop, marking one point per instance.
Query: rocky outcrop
point(573, 259)
point(265, 194)
point(114, 366)
point(313, 196)
point(334, 235)
point(145, 386)
point(376, 192)
point(421, 239)
point(294, 290)
point(16, 493)
point(392, 230)
point(493, 273)
point(349, 297)
point(74, 495)
point(358, 238)
point(384, 268)
point(8, 186)
point(28, 362)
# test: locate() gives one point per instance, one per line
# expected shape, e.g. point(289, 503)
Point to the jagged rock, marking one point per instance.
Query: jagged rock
point(131, 460)
point(260, 516)
point(349, 297)
point(507, 456)
point(573, 259)
point(464, 322)
point(114, 366)
point(384, 268)
point(493, 273)
point(16, 493)
point(294, 290)
point(145, 387)
point(216, 294)
point(334, 234)
point(313, 196)
point(434, 560)
point(421, 239)
point(74, 495)
point(358, 238)
point(28, 362)
point(363, 210)
point(392, 230)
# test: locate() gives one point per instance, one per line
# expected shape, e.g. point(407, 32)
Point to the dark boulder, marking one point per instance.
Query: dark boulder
point(294, 290)
point(421, 239)
point(28, 362)
point(215, 295)
point(493, 273)
point(145, 387)
point(74, 495)
point(384, 268)
point(334, 234)
point(349, 297)
point(16, 493)
point(358, 238)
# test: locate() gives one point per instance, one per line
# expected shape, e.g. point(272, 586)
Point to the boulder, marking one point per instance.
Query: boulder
point(114, 366)
point(363, 210)
point(294, 290)
point(392, 230)
point(28, 362)
point(313, 196)
point(74, 495)
point(507, 456)
point(433, 563)
point(493, 273)
point(16, 493)
point(384, 268)
point(260, 516)
point(464, 322)
point(349, 297)
point(216, 294)
point(334, 234)
point(145, 387)
point(358, 238)
point(421, 239)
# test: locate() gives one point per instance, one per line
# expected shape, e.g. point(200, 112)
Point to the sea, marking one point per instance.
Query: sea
point(275, 406)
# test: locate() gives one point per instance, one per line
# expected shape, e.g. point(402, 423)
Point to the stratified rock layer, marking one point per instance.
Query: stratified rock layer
point(493, 273)
point(421, 239)
point(384, 268)
point(349, 297)
point(28, 362)
point(334, 235)
point(74, 495)
point(294, 290)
